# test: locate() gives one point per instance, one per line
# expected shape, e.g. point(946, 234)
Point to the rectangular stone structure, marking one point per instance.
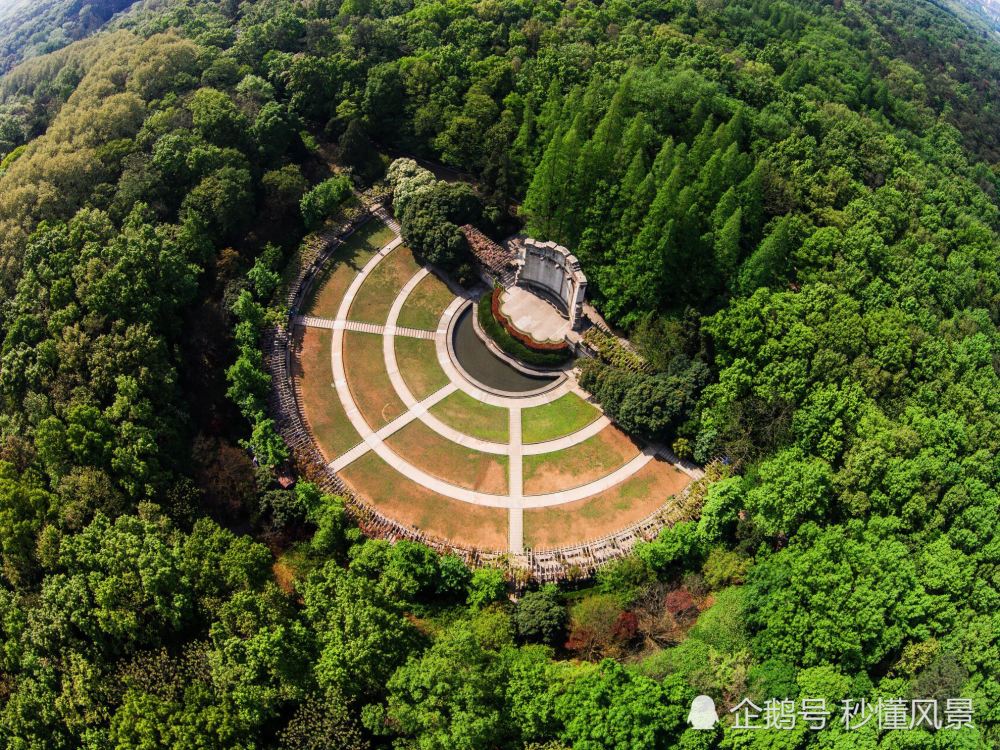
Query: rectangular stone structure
point(554, 270)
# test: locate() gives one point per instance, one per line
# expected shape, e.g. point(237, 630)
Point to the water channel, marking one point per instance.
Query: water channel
point(483, 365)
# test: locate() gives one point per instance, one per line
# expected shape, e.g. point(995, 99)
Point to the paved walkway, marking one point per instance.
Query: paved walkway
point(374, 440)
point(355, 325)
point(515, 518)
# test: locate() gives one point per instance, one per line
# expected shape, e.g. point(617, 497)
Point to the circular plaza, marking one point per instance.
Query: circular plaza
point(428, 430)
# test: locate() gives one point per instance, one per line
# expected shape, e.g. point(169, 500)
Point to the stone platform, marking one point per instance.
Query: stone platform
point(534, 315)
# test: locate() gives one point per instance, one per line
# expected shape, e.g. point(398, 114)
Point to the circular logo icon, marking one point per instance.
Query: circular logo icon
point(703, 714)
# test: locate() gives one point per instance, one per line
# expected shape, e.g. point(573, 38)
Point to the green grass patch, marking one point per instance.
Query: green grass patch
point(418, 364)
point(426, 304)
point(472, 417)
point(328, 289)
point(380, 289)
point(564, 416)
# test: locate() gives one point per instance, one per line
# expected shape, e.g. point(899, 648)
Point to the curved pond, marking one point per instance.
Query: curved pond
point(486, 367)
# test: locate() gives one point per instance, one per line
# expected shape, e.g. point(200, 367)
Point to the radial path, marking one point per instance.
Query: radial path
point(374, 440)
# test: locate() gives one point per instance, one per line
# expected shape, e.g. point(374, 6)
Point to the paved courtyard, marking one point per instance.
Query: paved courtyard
point(534, 315)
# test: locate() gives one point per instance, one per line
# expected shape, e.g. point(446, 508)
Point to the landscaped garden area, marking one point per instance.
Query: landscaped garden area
point(343, 265)
point(410, 433)
point(553, 420)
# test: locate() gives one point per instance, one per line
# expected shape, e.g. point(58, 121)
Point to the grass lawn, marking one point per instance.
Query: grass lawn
point(472, 417)
point(584, 462)
point(564, 416)
point(418, 364)
point(368, 380)
point(426, 304)
point(323, 411)
point(453, 463)
point(586, 520)
point(341, 268)
point(380, 289)
point(419, 508)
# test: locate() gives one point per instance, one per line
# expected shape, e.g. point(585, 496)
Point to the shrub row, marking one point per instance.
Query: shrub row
point(611, 351)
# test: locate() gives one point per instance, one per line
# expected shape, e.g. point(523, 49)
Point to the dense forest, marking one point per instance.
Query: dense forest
point(791, 206)
point(34, 27)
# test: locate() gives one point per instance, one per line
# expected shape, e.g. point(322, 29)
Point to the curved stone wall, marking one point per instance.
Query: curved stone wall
point(556, 271)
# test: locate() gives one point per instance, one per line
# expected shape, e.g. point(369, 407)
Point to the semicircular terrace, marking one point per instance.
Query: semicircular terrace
point(395, 417)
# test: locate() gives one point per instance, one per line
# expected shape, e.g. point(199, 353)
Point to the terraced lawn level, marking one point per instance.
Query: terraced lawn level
point(426, 304)
point(423, 510)
point(382, 286)
point(347, 261)
point(636, 498)
point(472, 417)
point(561, 417)
point(368, 380)
point(455, 464)
point(327, 420)
point(418, 364)
point(584, 462)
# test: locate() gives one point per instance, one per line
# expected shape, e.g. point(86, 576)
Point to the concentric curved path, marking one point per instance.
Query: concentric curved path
point(374, 440)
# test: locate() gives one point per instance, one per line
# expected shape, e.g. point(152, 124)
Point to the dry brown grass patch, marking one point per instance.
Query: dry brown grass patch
point(451, 462)
point(592, 518)
point(584, 462)
point(368, 380)
point(321, 407)
point(419, 508)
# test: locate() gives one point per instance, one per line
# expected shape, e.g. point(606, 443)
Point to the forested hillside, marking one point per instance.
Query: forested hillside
point(790, 206)
point(33, 28)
